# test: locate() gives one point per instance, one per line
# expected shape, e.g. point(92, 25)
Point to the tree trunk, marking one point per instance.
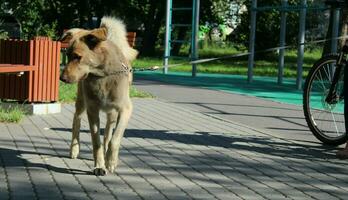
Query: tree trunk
point(152, 26)
point(344, 26)
point(342, 32)
point(181, 36)
point(327, 44)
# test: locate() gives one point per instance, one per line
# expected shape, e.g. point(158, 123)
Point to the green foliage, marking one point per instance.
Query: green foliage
point(49, 30)
point(3, 34)
point(32, 16)
point(227, 12)
point(267, 26)
point(203, 31)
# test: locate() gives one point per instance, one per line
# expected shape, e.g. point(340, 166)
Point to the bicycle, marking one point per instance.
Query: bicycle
point(323, 98)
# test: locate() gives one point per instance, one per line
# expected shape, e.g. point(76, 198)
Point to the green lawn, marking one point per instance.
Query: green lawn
point(67, 93)
point(238, 66)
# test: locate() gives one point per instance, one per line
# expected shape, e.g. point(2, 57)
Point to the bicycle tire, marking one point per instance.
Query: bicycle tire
point(328, 126)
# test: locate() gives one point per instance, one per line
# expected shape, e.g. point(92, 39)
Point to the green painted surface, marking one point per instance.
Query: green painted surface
point(262, 87)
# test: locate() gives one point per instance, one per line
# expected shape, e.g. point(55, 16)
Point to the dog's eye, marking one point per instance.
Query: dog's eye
point(75, 57)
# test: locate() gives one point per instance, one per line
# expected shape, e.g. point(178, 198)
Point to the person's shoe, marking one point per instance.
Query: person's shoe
point(342, 154)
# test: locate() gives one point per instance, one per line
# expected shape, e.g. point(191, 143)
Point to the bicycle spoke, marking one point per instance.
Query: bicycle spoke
point(322, 82)
point(327, 72)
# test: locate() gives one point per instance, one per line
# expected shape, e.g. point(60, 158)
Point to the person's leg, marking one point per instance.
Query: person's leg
point(344, 152)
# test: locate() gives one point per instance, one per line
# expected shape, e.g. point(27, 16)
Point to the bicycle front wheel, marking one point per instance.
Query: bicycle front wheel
point(325, 120)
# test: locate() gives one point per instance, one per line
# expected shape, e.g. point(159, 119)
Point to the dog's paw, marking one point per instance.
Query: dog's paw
point(99, 172)
point(111, 168)
point(74, 151)
point(111, 164)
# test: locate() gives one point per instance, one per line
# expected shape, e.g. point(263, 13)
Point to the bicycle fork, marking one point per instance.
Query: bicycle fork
point(332, 97)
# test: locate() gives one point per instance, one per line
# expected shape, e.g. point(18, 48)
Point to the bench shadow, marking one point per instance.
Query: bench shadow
point(14, 158)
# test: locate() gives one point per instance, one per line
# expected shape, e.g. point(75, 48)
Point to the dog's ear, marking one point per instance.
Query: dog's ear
point(69, 34)
point(66, 37)
point(95, 37)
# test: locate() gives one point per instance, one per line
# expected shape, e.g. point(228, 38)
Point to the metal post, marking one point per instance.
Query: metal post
point(194, 36)
point(252, 40)
point(301, 40)
point(282, 42)
point(167, 43)
point(335, 27)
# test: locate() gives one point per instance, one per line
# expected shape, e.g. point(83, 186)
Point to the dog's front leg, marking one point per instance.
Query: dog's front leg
point(114, 144)
point(110, 125)
point(75, 140)
point(98, 153)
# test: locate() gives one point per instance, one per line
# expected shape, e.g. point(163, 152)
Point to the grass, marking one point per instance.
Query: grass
point(11, 115)
point(135, 93)
point(67, 93)
point(239, 66)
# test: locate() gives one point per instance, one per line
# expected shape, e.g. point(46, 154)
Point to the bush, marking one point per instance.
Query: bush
point(3, 33)
point(267, 26)
point(31, 15)
point(49, 30)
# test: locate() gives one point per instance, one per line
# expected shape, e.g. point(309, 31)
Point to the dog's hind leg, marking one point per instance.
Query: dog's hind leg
point(114, 145)
point(110, 125)
point(98, 151)
point(79, 110)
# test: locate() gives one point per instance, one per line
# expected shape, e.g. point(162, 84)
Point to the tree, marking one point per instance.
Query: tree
point(342, 31)
point(267, 27)
point(147, 15)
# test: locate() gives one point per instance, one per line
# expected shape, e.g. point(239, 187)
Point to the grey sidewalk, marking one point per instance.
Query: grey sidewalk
point(168, 152)
point(278, 119)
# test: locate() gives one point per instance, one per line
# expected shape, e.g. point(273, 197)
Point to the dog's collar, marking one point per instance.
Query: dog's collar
point(125, 70)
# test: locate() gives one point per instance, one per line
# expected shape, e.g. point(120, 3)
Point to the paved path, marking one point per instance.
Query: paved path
point(278, 119)
point(169, 152)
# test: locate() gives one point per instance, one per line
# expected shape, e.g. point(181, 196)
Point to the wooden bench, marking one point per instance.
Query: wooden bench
point(29, 70)
point(131, 36)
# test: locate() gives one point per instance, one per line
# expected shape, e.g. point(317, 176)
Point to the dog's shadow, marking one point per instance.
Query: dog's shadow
point(15, 158)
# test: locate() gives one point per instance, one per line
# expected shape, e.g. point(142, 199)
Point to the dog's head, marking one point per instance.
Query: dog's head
point(85, 53)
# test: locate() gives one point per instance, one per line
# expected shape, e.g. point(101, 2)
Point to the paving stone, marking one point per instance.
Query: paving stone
point(168, 152)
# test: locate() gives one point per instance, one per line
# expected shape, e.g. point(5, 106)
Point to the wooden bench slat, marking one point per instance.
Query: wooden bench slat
point(11, 68)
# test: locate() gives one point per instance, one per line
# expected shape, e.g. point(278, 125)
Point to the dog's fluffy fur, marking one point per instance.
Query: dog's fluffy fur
point(117, 33)
point(94, 59)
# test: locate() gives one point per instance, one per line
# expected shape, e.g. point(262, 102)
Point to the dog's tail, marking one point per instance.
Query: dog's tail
point(116, 32)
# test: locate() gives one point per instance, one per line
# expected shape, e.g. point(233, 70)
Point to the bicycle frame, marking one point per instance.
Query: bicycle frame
point(332, 97)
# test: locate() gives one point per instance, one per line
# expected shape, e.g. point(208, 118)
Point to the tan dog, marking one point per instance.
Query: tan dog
point(99, 60)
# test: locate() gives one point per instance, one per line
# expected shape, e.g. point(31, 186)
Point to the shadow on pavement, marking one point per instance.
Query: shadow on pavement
point(231, 141)
point(16, 158)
